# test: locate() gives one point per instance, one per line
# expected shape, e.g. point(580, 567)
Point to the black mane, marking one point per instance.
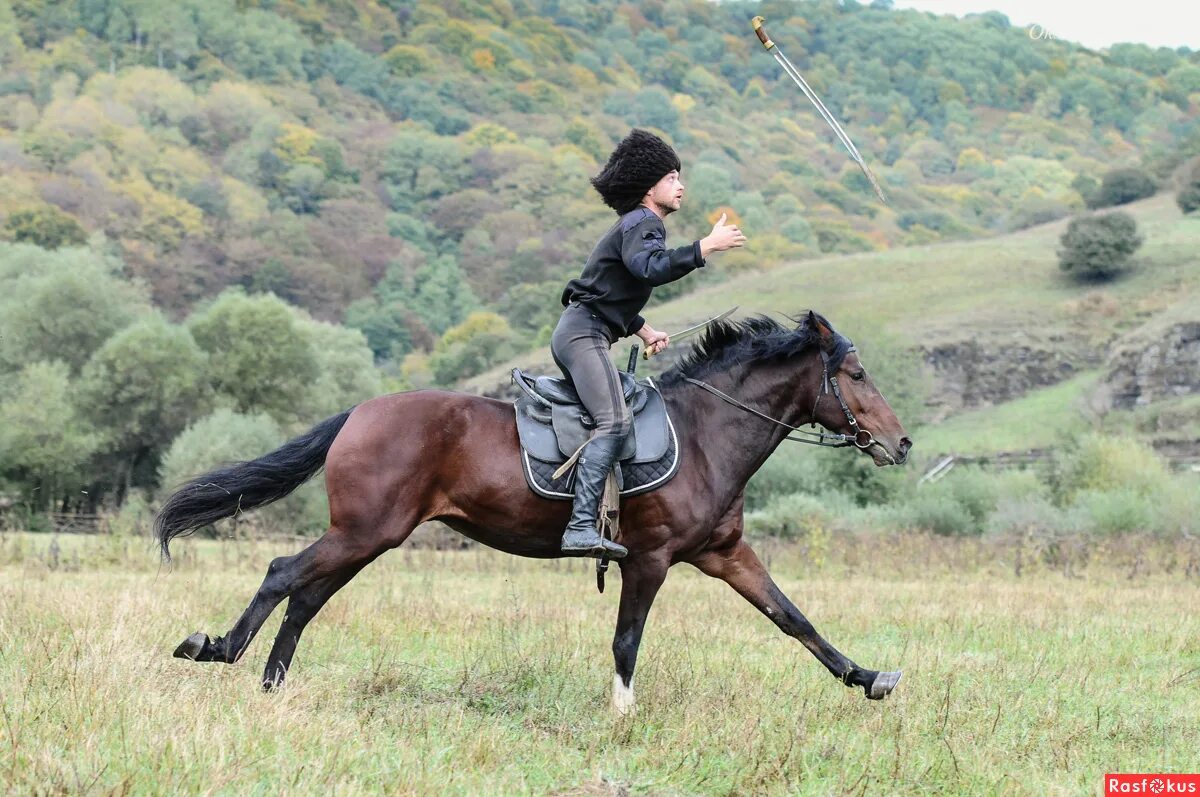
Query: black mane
point(756, 339)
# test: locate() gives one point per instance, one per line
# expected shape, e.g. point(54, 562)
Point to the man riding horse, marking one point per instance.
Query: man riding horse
point(641, 183)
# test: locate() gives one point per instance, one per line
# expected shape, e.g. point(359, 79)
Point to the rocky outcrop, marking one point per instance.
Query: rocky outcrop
point(978, 373)
point(1156, 362)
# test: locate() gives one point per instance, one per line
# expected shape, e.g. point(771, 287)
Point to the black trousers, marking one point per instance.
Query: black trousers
point(579, 346)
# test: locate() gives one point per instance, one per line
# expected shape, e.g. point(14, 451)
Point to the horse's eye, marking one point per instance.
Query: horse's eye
point(858, 376)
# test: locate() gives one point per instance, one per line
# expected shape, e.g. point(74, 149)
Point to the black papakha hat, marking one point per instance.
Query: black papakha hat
point(638, 162)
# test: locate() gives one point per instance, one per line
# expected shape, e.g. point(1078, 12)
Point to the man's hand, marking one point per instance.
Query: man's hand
point(723, 236)
point(655, 341)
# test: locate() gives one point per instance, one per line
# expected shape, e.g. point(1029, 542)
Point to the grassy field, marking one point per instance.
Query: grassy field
point(472, 673)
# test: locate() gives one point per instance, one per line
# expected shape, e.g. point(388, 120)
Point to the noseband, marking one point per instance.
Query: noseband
point(861, 438)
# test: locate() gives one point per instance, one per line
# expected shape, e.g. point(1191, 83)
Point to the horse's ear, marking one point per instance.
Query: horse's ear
point(816, 323)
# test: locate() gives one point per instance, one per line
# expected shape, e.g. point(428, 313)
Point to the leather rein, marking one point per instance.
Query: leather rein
point(828, 382)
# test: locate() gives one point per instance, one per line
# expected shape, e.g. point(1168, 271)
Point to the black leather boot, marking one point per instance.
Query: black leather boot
point(582, 536)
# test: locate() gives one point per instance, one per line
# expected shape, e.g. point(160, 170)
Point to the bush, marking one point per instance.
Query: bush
point(1188, 197)
point(1122, 186)
point(1110, 512)
point(1106, 464)
point(1098, 247)
point(937, 511)
point(795, 515)
point(1032, 515)
point(958, 504)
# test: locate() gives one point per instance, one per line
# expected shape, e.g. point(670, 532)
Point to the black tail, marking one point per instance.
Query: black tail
point(239, 486)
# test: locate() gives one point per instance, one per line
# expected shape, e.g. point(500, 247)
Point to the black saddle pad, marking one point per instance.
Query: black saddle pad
point(549, 435)
point(635, 477)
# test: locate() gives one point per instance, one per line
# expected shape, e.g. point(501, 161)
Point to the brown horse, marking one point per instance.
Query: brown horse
point(395, 461)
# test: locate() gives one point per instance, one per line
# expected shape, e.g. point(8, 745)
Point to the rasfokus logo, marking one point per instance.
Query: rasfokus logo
point(1151, 784)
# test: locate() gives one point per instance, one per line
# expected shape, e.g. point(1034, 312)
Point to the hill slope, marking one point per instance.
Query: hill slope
point(1001, 300)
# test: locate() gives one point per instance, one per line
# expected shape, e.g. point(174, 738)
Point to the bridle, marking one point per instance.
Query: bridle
point(862, 438)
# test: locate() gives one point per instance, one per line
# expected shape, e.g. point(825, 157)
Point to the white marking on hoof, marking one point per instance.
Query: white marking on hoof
point(622, 696)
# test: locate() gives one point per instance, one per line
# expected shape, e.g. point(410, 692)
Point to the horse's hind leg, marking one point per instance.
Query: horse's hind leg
point(738, 566)
point(334, 552)
point(302, 606)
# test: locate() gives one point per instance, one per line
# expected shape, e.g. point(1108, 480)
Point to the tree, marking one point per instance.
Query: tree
point(384, 325)
point(529, 306)
point(1098, 247)
point(419, 165)
point(45, 226)
point(63, 308)
point(142, 388)
point(346, 369)
point(260, 356)
point(44, 443)
point(437, 294)
point(482, 340)
point(1188, 197)
point(1122, 186)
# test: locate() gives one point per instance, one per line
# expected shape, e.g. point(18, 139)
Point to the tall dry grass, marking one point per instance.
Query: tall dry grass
point(467, 672)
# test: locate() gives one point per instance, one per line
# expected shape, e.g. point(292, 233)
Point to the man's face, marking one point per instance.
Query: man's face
point(667, 193)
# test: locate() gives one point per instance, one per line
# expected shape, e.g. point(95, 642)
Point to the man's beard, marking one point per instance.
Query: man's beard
point(664, 210)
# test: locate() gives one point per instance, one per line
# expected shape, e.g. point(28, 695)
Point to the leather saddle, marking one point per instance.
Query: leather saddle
point(552, 423)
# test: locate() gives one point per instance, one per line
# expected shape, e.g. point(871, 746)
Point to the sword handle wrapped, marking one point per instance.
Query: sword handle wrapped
point(757, 24)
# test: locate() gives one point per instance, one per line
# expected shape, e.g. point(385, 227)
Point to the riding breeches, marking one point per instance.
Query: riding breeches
point(580, 345)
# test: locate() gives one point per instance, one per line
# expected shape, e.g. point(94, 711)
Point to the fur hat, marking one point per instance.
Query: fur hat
point(638, 162)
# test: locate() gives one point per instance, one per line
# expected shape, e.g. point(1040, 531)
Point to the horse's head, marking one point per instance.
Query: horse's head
point(847, 401)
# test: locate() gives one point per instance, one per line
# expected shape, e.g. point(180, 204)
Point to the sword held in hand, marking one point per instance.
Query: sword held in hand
point(794, 74)
point(694, 328)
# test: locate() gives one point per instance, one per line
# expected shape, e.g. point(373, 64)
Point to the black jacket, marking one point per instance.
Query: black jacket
point(625, 265)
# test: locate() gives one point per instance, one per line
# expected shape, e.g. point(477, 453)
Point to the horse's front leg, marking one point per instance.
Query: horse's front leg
point(739, 567)
point(641, 577)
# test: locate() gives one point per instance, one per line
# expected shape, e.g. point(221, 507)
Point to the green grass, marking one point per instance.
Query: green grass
point(1039, 419)
point(474, 673)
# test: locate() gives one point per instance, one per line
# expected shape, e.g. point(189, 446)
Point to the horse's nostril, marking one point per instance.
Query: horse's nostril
point(905, 444)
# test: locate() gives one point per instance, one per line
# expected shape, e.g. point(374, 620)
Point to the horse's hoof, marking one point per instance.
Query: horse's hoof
point(883, 685)
point(192, 647)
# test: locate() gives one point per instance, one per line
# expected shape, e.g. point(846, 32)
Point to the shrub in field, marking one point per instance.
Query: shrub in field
point(1175, 506)
point(938, 511)
point(959, 504)
point(1108, 512)
point(1122, 186)
point(817, 472)
point(1188, 197)
point(1098, 247)
point(1030, 515)
point(1098, 463)
point(797, 515)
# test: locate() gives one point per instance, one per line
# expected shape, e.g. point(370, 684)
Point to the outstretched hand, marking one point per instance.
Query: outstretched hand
point(723, 236)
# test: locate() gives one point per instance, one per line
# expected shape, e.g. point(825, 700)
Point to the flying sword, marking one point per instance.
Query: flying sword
point(794, 74)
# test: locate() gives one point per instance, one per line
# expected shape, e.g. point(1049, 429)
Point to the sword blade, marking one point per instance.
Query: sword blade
point(703, 324)
point(684, 333)
point(829, 118)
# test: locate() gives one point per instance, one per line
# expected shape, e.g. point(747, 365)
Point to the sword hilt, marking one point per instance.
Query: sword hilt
point(757, 24)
